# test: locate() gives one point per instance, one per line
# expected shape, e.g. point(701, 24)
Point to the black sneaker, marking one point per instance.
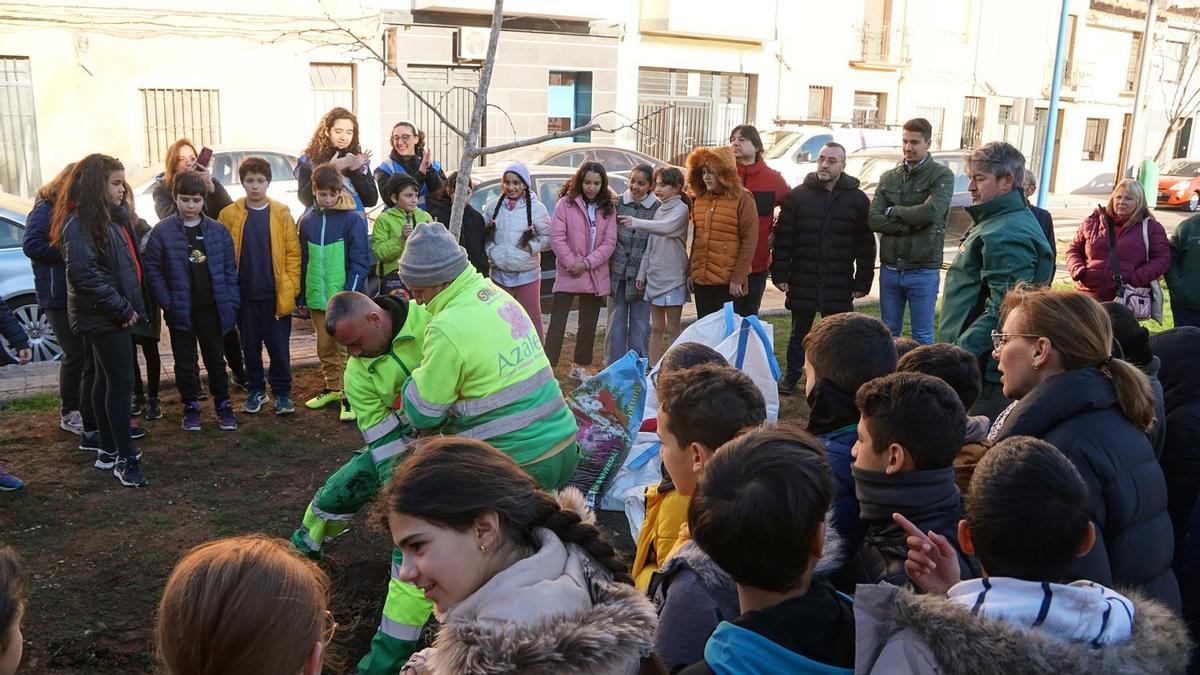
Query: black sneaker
point(90, 441)
point(135, 407)
point(136, 432)
point(129, 472)
point(105, 460)
point(240, 382)
point(787, 387)
point(153, 412)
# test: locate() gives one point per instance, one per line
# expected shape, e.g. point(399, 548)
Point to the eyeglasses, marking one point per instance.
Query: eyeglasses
point(331, 627)
point(998, 338)
point(403, 137)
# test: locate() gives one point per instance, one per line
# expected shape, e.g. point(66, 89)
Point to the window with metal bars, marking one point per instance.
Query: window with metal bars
point(1135, 62)
point(1094, 135)
point(171, 114)
point(19, 158)
point(332, 86)
point(972, 124)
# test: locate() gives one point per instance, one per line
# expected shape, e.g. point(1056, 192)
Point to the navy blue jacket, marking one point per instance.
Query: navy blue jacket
point(11, 329)
point(845, 502)
point(167, 277)
point(49, 270)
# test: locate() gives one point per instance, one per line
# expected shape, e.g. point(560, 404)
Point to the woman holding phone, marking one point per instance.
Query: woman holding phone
point(182, 156)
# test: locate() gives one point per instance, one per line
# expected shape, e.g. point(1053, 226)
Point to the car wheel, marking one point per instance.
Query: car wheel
point(1193, 202)
point(36, 325)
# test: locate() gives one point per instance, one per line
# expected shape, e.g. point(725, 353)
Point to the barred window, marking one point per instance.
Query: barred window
point(1093, 139)
point(172, 114)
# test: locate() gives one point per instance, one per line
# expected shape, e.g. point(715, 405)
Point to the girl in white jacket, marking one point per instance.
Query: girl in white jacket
point(663, 272)
point(518, 230)
point(520, 582)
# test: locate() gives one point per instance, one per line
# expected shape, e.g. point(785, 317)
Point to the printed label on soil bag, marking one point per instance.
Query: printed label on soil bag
point(608, 409)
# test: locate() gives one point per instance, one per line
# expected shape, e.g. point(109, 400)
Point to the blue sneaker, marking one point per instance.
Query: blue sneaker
point(255, 401)
point(129, 472)
point(9, 482)
point(284, 405)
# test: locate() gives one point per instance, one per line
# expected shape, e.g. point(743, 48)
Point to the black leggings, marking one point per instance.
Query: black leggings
point(153, 368)
point(74, 355)
point(112, 359)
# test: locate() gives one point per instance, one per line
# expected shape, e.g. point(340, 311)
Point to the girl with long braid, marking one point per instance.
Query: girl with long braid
point(521, 582)
point(518, 230)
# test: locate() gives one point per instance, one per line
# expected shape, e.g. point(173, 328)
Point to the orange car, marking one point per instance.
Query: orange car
point(1179, 184)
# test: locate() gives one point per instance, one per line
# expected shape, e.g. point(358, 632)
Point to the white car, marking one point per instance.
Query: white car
point(795, 155)
point(225, 169)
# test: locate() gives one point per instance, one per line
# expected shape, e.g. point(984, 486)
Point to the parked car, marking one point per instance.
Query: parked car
point(225, 169)
point(571, 155)
point(547, 181)
point(16, 284)
point(1179, 184)
point(868, 166)
point(795, 155)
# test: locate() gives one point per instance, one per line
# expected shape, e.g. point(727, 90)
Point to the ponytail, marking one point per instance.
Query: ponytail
point(451, 481)
point(568, 525)
point(1135, 396)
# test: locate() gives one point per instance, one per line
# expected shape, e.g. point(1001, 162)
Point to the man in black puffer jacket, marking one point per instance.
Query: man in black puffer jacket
point(906, 468)
point(1179, 351)
point(824, 252)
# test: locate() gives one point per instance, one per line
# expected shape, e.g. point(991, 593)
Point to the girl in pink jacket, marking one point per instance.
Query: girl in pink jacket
point(583, 235)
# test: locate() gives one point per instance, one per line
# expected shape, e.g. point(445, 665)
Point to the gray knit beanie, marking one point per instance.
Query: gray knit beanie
point(431, 257)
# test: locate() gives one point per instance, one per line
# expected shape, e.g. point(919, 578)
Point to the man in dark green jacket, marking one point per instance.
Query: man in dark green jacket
point(909, 213)
point(1183, 277)
point(1004, 247)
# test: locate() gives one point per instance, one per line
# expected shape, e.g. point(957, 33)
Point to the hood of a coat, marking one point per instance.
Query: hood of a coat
point(556, 611)
point(967, 643)
point(718, 160)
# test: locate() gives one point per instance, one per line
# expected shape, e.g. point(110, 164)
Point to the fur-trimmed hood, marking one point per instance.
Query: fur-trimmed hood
point(719, 160)
point(556, 611)
point(900, 631)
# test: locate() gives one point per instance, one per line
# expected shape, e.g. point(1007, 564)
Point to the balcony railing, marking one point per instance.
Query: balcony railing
point(879, 44)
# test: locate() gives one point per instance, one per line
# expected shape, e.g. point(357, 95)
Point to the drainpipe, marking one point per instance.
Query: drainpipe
point(1135, 141)
point(1052, 121)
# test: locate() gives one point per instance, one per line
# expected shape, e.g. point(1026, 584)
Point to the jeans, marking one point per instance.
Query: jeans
point(206, 329)
point(112, 359)
point(749, 304)
point(628, 325)
point(1186, 317)
point(260, 327)
point(710, 299)
point(585, 335)
point(919, 289)
point(74, 355)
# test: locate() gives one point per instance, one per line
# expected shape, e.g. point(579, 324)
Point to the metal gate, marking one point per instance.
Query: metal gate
point(683, 110)
point(20, 166)
point(452, 90)
point(972, 125)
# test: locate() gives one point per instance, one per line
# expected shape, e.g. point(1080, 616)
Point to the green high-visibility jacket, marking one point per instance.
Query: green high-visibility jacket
point(483, 375)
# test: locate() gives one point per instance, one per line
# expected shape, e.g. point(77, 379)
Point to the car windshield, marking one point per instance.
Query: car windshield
point(868, 170)
point(781, 148)
point(1181, 167)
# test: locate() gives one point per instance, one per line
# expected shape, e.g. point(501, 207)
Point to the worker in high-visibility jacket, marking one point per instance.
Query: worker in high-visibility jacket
point(384, 338)
point(483, 373)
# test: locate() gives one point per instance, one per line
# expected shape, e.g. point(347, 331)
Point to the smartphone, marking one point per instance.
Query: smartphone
point(204, 158)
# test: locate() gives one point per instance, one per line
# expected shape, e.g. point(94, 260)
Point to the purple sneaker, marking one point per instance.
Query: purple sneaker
point(191, 416)
point(225, 415)
point(9, 482)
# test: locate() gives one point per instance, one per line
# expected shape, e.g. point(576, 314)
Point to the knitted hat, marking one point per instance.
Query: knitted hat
point(431, 257)
point(1131, 336)
point(519, 169)
point(397, 182)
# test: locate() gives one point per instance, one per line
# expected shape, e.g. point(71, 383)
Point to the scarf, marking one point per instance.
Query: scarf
point(831, 408)
point(916, 494)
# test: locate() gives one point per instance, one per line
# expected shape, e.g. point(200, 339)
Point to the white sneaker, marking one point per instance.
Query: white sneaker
point(580, 374)
point(72, 422)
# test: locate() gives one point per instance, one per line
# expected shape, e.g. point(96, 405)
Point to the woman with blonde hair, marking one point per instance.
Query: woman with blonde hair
point(1124, 228)
point(244, 604)
point(1056, 361)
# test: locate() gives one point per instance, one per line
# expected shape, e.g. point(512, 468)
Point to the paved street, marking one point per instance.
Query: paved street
point(1068, 211)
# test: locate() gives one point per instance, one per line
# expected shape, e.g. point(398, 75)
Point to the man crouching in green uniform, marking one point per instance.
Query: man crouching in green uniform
point(383, 337)
point(483, 373)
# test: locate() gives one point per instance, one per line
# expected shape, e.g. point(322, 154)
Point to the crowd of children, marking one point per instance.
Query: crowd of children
point(891, 532)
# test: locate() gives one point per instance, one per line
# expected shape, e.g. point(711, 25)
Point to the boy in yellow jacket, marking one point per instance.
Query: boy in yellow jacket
point(267, 251)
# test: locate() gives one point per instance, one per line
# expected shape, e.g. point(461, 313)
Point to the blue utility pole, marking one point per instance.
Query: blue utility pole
point(1052, 121)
